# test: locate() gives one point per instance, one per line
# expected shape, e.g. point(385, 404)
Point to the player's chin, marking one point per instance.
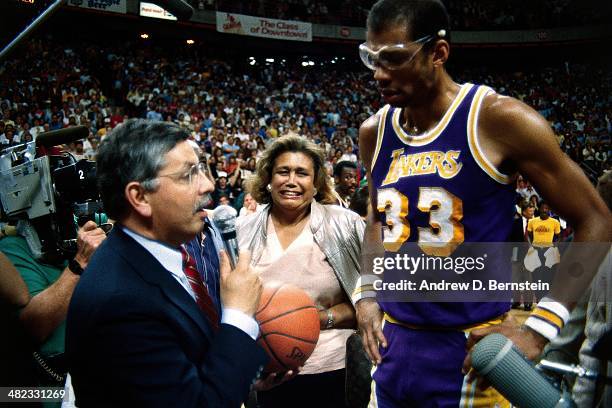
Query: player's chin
point(397, 99)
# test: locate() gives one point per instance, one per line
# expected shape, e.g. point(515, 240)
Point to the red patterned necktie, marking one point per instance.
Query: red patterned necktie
point(202, 297)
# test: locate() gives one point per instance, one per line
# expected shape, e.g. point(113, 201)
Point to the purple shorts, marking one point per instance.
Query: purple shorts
point(422, 368)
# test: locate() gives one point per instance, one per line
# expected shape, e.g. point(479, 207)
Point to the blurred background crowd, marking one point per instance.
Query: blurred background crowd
point(237, 94)
point(234, 111)
point(467, 14)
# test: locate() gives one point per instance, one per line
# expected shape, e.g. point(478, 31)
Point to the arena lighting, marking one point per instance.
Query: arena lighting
point(252, 62)
point(269, 59)
point(144, 36)
point(304, 64)
point(311, 63)
point(190, 42)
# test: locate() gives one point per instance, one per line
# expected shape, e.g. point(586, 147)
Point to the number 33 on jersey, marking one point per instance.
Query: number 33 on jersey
point(438, 189)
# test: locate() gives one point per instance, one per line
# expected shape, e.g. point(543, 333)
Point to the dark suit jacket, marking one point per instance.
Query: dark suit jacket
point(136, 338)
point(517, 235)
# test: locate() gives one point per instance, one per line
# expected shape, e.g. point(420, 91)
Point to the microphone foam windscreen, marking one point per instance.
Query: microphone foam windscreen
point(224, 217)
point(62, 136)
point(516, 378)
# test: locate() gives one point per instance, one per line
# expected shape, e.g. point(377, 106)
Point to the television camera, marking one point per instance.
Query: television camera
point(44, 193)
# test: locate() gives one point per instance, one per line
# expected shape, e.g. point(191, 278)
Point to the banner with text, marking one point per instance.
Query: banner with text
point(115, 6)
point(263, 27)
point(153, 10)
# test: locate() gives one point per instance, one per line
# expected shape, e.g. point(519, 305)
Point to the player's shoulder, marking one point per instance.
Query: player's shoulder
point(504, 112)
point(370, 125)
point(369, 128)
point(368, 134)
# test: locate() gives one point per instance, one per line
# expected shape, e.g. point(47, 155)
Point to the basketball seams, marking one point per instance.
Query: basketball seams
point(289, 326)
point(270, 299)
point(288, 336)
point(286, 313)
point(274, 355)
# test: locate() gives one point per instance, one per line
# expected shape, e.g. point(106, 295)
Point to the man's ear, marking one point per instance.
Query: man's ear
point(138, 198)
point(441, 52)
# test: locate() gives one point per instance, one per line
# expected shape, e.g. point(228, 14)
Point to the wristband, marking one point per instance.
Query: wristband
point(548, 318)
point(364, 288)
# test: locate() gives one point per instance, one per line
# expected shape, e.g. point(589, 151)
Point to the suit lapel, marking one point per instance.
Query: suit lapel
point(152, 272)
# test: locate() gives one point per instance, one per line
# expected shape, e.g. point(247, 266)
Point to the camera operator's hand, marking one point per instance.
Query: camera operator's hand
point(47, 309)
point(89, 237)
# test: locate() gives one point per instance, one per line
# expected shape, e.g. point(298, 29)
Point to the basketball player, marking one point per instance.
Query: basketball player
point(441, 160)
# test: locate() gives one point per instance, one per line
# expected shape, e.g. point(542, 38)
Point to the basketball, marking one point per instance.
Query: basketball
point(289, 326)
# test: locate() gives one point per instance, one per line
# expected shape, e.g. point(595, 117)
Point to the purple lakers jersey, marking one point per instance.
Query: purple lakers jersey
point(437, 191)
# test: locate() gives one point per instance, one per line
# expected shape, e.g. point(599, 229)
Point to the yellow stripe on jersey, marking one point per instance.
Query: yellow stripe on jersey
point(428, 137)
point(475, 148)
point(381, 133)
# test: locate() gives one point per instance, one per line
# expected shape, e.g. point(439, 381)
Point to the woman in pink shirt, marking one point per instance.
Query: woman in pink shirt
point(301, 238)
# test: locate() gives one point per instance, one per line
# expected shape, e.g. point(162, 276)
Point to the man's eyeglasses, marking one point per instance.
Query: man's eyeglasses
point(391, 57)
point(190, 176)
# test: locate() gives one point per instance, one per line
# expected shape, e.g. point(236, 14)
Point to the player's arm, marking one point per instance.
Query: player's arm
point(369, 315)
point(528, 143)
point(525, 143)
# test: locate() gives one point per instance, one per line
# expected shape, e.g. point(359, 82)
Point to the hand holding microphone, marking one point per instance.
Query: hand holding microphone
point(497, 359)
point(241, 286)
point(526, 340)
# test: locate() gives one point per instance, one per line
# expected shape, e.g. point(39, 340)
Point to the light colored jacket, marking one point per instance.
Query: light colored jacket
point(589, 321)
point(337, 231)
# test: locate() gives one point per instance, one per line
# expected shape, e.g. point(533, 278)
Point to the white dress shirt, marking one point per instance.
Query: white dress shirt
point(172, 260)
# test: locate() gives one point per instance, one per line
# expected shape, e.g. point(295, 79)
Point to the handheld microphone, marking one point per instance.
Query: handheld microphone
point(515, 377)
point(62, 136)
point(179, 8)
point(224, 218)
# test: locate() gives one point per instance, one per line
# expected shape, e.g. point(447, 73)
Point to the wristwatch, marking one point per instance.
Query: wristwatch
point(330, 319)
point(75, 267)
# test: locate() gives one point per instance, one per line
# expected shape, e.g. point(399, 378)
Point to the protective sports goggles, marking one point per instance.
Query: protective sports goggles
point(393, 57)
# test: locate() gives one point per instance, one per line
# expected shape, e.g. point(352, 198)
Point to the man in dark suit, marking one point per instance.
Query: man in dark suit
point(141, 327)
point(520, 237)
